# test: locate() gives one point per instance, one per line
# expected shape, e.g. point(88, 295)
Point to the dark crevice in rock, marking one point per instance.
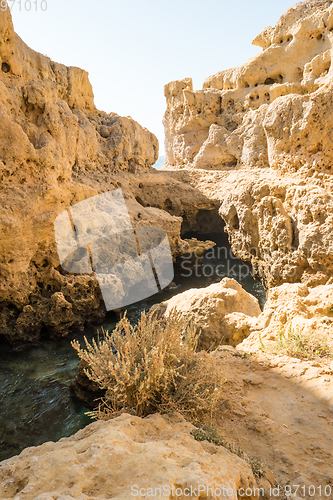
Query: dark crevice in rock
point(140, 201)
point(5, 67)
point(274, 79)
point(204, 223)
point(295, 239)
point(168, 205)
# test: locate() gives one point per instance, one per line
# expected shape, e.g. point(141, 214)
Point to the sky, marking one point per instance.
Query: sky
point(132, 48)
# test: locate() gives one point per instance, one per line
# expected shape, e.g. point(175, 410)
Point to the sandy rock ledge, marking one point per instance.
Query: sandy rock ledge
point(106, 459)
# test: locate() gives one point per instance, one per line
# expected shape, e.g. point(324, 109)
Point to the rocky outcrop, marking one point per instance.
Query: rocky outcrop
point(51, 138)
point(273, 198)
point(223, 313)
point(293, 308)
point(266, 128)
point(50, 127)
point(57, 149)
point(283, 227)
point(114, 460)
point(261, 113)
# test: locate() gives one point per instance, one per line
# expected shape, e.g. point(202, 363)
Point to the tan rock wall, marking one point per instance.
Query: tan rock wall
point(236, 121)
point(56, 149)
point(266, 126)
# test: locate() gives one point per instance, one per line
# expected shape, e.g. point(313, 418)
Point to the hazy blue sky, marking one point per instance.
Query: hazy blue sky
point(131, 49)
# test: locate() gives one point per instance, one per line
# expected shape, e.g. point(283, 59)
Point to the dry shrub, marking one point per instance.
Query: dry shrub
point(152, 367)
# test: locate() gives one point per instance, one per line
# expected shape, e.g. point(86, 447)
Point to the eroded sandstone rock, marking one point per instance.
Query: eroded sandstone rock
point(265, 111)
point(266, 126)
point(57, 149)
point(51, 138)
point(113, 459)
point(293, 308)
point(224, 312)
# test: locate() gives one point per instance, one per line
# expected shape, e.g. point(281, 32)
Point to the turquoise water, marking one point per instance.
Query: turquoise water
point(36, 404)
point(160, 162)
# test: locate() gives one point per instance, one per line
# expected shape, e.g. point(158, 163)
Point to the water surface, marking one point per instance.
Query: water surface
point(36, 404)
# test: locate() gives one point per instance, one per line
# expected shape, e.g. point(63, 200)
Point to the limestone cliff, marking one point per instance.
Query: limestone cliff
point(50, 128)
point(256, 150)
point(51, 139)
point(266, 127)
point(266, 112)
point(57, 149)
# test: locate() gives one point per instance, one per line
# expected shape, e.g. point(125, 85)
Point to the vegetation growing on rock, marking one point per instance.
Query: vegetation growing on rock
point(152, 367)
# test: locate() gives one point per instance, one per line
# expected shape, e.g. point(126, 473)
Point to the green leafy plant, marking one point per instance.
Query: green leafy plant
point(262, 347)
point(151, 367)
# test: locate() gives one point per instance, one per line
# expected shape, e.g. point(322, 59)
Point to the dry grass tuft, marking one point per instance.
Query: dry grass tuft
point(299, 345)
point(152, 367)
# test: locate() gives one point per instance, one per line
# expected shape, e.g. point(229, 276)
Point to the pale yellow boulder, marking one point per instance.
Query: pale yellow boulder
point(223, 312)
point(121, 457)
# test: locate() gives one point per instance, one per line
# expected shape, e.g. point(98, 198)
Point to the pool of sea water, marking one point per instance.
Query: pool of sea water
point(36, 404)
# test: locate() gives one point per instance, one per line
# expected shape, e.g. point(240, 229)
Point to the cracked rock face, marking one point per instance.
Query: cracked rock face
point(263, 130)
point(56, 150)
point(262, 113)
point(52, 138)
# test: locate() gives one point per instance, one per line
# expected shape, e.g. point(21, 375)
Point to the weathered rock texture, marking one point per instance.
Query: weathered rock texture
point(268, 185)
point(51, 134)
point(293, 308)
point(266, 111)
point(57, 149)
point(267, 125)
point(107, 458)
point(224, 312)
